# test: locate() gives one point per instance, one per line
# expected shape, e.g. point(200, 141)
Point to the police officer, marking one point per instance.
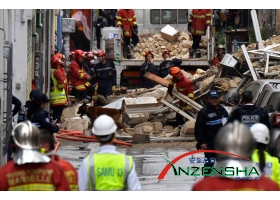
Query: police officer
point(30, 170)
point(235, 138)
point(208, 122)
point(269, 165)
point(105, 73)
point(38, 116)
point(249, 113)
point(108, 169)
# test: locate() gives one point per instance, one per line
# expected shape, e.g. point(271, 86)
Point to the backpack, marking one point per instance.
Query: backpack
point(99, 23)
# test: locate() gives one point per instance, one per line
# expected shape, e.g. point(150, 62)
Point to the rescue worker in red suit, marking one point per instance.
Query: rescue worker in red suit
point(220, 55)
point(185, 87)
point(57, 95)
point(126, 20)
point(30, 170)
point(47, 147)
point(235, 138)
point(197, 25)
point(148, 66)
point(62, 68)
point(79, 78)
point(105, 73)
point(165, 65)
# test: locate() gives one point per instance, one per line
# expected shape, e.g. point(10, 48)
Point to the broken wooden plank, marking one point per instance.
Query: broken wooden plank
point(156, 79)
point(186, 99)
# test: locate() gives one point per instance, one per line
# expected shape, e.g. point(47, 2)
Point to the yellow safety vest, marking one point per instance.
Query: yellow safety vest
point(57, 97)
point(108, 171)
point(272, 166)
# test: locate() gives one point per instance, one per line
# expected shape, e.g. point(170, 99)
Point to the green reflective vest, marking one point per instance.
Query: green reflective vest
point(272, 166)
point(57, 97)
point(108, 171)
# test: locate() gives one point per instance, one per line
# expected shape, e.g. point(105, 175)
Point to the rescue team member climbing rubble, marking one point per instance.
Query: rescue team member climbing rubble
point(185, 87)
point(235, 138)
point(108, 169)
point(269, 165)
point(30, 170)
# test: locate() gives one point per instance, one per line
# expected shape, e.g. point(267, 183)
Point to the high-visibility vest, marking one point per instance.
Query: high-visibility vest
point(108, 171)
point(272, 166)
point(57, 97)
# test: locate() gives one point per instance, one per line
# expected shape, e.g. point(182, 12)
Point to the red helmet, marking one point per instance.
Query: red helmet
point(175, 71)
point(59, 56)
point(165, 52)
point(79, 53)
point(54, 62)
point(89, 56)
point(101, 53)
point(148, 52)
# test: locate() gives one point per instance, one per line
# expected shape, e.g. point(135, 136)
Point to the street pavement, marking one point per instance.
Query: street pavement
point(149, 162)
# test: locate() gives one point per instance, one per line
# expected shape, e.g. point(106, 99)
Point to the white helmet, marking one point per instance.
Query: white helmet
point(104, 125)
point(221, 47)
point(260, 133)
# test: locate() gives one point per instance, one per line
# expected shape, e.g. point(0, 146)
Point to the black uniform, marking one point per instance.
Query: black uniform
point(164, 68)
point(23, 112)
point(106, 77)
point(208, 122)
point(17, 103)
point(41, 119)
point(250, 114)
point(148, 67)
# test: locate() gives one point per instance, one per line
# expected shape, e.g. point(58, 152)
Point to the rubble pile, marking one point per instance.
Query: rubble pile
point(179, 48)
point(275, 39)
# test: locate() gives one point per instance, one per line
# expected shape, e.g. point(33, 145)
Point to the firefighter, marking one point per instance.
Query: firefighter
point(79, 78)
point(106, 76)
point(148, 66)
point(92, 175)
point(197, 24)
point(62, 64)
point(30, 170)
point(208, 122)
point(237, 139)
point(47, 147)
point(269, 165)
point(249, 113)
point(165, 64)
point(58, 97)
point(185, 87)
point(126, 20)
point(221, 51)
point(38, 116)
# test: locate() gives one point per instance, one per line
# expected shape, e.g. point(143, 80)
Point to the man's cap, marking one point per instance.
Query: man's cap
point(41, 97)
point(213, 93)
point(33, 93)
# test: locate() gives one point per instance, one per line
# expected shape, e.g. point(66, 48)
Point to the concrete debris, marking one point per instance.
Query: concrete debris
point(187, 129)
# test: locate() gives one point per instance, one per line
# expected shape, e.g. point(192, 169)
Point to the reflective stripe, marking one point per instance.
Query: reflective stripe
point(135, 23)
point(199, 16)
point(87, 84)
point(208, 21)
point(74, 187)
point(214, 122)
point(80, 70)
point(60, 86)
point(118, 17)
point(106, 68)
point(199, 32)
point(91, 173)
point(134, 16)
point(80, 87)
point(190, 95)
point(181, 89)
point(119, 23)
point(171, 82)
point(36, 124)
point(126, 33)
point(82, 75)
point(127, 19)
point(33, 187)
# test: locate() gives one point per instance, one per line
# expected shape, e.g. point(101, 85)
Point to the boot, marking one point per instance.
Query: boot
point(126, 50)
point(197, 53)
point(191, 52)
point(129, 56)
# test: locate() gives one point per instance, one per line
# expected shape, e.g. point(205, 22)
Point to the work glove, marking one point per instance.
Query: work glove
point(170, 88)
point(113, 88)
point(190, 27)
